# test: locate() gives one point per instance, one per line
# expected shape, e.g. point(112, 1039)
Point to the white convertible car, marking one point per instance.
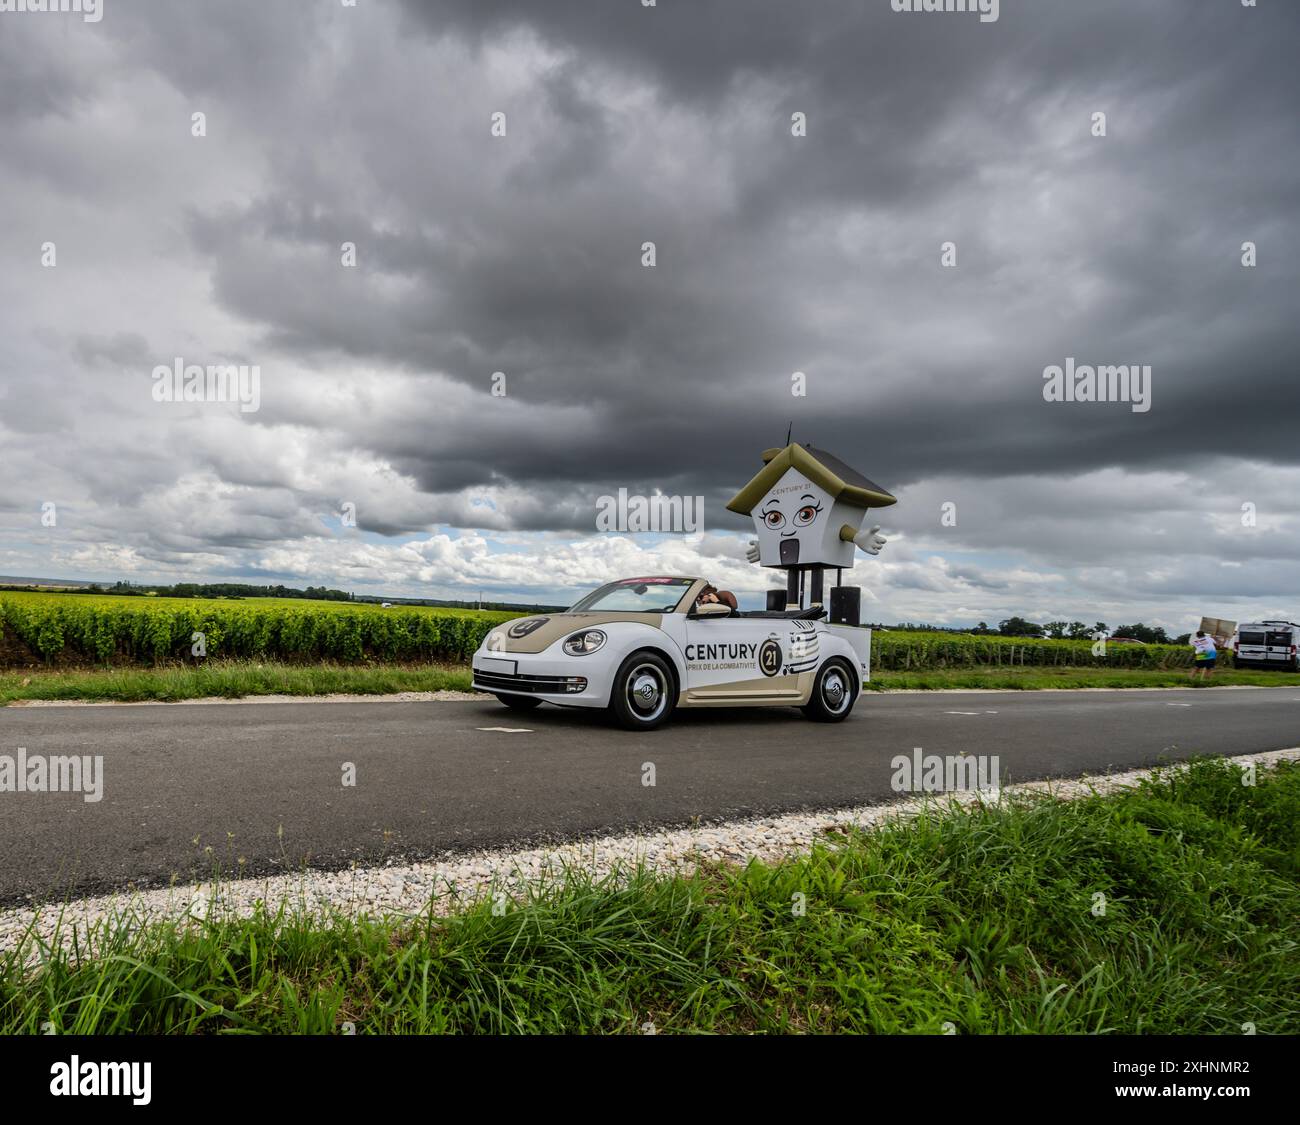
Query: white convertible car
point(641, 647)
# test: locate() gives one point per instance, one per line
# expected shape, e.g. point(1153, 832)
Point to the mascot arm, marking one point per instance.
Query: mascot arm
point(870, 540)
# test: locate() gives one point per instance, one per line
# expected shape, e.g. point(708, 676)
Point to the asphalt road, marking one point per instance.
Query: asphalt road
point(264, 782)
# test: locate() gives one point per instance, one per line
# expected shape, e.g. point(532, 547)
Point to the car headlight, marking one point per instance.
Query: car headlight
point(584, 643)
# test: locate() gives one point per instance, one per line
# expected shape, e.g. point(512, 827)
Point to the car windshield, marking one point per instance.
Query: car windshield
point(636, 595)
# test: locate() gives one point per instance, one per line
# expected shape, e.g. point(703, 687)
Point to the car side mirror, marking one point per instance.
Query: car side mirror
point(710, 609)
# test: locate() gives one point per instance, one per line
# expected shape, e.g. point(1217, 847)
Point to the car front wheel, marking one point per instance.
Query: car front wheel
point(834, 692)
point(644, 694)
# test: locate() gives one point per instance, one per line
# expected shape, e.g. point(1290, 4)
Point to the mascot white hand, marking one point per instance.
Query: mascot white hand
point(870, 540)
point(752, 552)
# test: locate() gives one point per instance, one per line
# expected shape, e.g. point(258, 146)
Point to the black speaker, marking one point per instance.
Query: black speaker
point(846, 605)
point(775, 601)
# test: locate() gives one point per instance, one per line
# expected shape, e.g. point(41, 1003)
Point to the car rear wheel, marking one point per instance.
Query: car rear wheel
point(644, 694)
point(834, 692)
point(520, 702)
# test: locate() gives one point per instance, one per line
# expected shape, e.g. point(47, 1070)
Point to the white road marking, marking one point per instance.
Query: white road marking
point(1177, 704)
point(961, 712)
point(509, 730)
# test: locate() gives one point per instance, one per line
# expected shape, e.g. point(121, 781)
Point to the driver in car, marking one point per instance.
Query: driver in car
point(711, 593)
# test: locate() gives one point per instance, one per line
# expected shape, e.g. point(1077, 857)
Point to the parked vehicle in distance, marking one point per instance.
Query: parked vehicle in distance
point(1269, 644)
point(641, 647)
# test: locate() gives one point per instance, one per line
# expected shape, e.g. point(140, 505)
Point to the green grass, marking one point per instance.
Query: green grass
point(229, 679)
point(981, 918)
point(232, 679)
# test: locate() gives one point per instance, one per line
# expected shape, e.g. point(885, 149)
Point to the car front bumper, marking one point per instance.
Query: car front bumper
point(553, 676)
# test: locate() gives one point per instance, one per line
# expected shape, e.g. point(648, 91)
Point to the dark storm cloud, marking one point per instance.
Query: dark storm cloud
point(518, 278)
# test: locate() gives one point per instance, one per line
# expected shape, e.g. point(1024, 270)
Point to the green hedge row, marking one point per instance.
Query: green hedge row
point(143, 631)
point(152, 632)
point(903, 651)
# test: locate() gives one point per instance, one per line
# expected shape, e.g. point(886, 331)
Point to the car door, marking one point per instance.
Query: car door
point(1252, 646)
point(1278, 642)
point(741, 660)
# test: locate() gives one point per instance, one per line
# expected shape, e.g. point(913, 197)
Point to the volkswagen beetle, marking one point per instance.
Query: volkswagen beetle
point(642, 647)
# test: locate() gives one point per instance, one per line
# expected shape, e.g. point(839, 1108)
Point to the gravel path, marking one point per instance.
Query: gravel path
point(455, 879)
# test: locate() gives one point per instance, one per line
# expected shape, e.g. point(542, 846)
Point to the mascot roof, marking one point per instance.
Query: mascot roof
point(823, 469)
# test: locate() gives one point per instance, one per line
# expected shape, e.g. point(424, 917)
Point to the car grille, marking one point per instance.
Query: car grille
point(550, 685)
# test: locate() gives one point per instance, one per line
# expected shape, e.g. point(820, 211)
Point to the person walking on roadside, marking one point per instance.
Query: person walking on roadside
point(1204, 656)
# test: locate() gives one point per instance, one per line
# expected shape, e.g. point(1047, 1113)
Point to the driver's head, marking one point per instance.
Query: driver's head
point(727, 598)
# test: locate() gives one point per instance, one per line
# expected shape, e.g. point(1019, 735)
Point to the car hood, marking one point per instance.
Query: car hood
point(543, 630)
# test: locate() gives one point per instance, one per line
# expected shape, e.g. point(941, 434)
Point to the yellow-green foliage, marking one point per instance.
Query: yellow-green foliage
point(897, 651)
point(150, 630)
point(104, 629)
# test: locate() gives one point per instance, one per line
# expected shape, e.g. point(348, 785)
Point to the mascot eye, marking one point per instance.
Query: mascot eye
point(806, 515)
point(773, 518)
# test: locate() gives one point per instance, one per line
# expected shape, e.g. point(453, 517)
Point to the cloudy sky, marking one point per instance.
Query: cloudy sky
point(775, 253)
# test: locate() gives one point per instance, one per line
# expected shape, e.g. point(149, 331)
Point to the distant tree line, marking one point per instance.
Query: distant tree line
point(1059, 630)
point(314, 593)
point(1077, 630)
point(221, 590)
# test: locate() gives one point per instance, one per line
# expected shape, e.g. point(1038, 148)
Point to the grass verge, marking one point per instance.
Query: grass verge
point(229, 679)
point(232, 679)
point(986, 918)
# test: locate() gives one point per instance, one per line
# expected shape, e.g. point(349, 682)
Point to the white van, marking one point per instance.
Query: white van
point(1271, 644)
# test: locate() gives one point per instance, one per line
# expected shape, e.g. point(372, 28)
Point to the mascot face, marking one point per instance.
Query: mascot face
point(791, 521)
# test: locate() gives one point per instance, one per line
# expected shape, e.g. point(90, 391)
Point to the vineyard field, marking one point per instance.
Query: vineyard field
point(899, 651)
point(80, 630)
point(103, 629)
